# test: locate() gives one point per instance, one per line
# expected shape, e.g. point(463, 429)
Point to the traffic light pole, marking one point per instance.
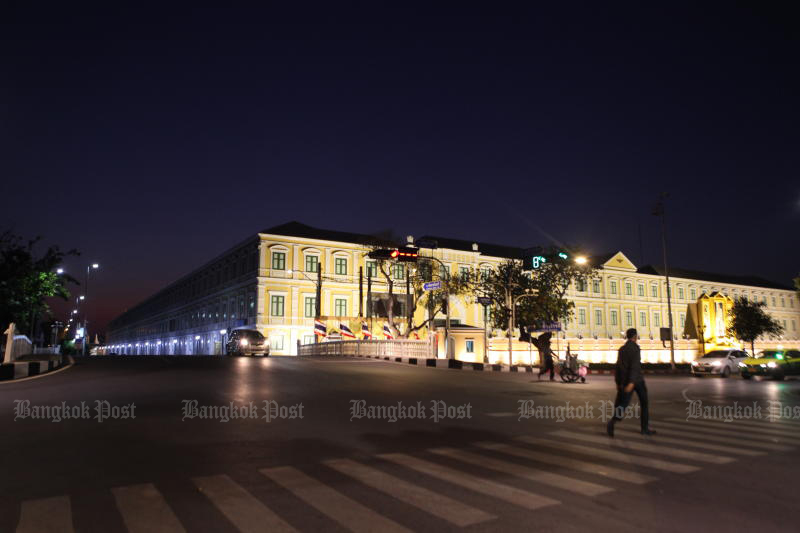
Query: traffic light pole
point(447, 296)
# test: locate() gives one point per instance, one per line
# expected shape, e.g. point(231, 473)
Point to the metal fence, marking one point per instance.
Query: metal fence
point(391, 348)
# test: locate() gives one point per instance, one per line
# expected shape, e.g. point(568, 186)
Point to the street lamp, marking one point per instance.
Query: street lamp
point(94, 266)
point(59, 271)
point(581, 260)
point(511, 325)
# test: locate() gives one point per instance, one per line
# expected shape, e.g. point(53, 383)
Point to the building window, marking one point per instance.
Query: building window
point(693, 294)
point(310, 306)
point(308, 339)
point(596, 286)
point(251, 305)
point(279, 260)
point(640, 290)
point(654, 291)
point(276, 342)
point(470, 346)
point(582, 317)
point(372, 269)
point(613, 318)
point(312, 263)
point(398, 271)
point(485, 273)
point(613, 287)
point(276, 305)
point(628, 319)
point(598, 317)
point(464, 273)
point(656, 320)
point(628, 289)
point(580, 285)
point(680, 293)
point(783, 302)
point(642, 319)
point(340, 266)
point(794, 326)
point(340, 307)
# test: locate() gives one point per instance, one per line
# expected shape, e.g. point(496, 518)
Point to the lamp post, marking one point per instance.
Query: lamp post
point(85, 317)
point(447, 296)
point(659, 211)
point(511, 324)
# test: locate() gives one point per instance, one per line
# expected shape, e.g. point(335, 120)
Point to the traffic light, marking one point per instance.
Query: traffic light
point(406, 254)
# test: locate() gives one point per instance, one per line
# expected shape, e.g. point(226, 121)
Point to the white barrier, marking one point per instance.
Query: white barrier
point(359, 348)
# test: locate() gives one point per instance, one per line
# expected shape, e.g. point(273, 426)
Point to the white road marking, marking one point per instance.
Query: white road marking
point(569, 462)
point(243, 509)
point(347, 512)
point(47, 515)
point(732, 437)
point(144, 510)
point(643, 447)
point(685, 440)
point(586, 488)
point(522, 498)
point(441, 506)
point(746, 425)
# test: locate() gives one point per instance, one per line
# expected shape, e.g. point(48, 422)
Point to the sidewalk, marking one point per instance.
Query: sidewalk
point(32, 365)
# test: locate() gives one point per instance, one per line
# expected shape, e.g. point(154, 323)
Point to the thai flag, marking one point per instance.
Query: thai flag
point(387, 333)
point(365, 332)
point(320, 329)
point(345, 331)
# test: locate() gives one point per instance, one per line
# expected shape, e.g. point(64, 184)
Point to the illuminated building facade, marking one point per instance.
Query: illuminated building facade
point(269, 282)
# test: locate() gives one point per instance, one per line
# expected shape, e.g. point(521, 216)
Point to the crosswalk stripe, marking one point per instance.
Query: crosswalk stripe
point(586, 488)
point(743, 424)
point(45, 516)
point(349, 513)
point(144, 510)
point(643, 447)
point(568, 462)
point(658, 464)
point(686, 440)
point(243, 509)
point(731, 437)
point(482, 485)
point(441, 506)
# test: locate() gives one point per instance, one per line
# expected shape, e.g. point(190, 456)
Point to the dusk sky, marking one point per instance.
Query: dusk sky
point(154, 138)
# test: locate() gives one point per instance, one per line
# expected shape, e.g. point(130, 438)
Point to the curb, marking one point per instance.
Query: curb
point(26, 369)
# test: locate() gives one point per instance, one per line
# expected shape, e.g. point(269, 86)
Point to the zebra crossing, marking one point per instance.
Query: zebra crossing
point(520, 472)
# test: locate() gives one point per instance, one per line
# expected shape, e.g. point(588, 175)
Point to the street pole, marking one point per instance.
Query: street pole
point(447, 307)
point(485, 334)
point(85, 318)
point(660, 211)
point(318, 300)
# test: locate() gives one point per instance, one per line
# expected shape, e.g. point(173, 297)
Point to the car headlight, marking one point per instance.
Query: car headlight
point(772, 364)
point(742, 365)
point(716, 363)
point(243, 342)
point(694, 363)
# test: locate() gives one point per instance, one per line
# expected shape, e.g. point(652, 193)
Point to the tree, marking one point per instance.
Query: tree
point(749, 321)
point(27, 280)
point(544, 288)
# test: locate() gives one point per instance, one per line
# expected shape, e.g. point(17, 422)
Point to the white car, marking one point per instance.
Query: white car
point(721, 362)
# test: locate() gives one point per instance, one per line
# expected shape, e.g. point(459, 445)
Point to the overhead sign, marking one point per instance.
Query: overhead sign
point(484, 300)
point(432, 285)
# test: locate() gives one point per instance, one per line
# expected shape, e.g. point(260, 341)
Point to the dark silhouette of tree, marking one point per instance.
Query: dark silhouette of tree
point(749, 321)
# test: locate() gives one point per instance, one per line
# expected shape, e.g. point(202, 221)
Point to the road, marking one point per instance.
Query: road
point(484, 468)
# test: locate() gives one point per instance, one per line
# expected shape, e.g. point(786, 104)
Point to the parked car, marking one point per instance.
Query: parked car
point(246, 342)
point(776, 364)
point(720, 362)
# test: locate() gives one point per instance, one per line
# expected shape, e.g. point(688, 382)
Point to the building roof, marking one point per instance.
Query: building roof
point(753, 281)
point(298, 229)
point(485, 248)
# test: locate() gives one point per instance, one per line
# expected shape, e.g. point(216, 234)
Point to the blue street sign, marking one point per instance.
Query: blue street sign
point(432, 285)
point(484, 300)
point(549, 326)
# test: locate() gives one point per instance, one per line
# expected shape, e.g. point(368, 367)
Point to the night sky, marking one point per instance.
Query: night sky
point(153, 138)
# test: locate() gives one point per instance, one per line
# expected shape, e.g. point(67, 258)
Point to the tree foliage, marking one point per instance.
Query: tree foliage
point(749, 321)
point(27, 280)
point(544, 288)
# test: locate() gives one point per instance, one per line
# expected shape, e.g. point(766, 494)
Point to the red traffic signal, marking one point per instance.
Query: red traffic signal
point(406, 254)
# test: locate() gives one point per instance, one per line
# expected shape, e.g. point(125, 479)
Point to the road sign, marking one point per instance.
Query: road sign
point(432, 285)
point(484, 300)
point(548, 326)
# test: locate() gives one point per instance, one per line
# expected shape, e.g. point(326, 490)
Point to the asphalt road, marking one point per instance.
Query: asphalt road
point(482, 467)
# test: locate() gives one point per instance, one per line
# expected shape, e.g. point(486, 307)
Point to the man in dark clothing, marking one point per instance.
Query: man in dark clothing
point(629, 379)
point(542, 344)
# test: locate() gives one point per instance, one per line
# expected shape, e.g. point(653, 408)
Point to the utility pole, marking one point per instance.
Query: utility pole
point(318, 299)
point(659, 211)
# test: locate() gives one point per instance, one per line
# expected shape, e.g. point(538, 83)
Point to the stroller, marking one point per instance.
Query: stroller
point(572, 370)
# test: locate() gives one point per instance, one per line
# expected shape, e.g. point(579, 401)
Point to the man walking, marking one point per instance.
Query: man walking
point(545, 354)
point(629, 378)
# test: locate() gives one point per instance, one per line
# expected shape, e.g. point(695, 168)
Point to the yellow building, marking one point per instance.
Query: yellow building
point(269, 282)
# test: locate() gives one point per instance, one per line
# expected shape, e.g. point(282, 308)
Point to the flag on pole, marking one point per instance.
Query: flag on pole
point(320, 329)
point(345, 331)
point(387, 333)
point(365, 332)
